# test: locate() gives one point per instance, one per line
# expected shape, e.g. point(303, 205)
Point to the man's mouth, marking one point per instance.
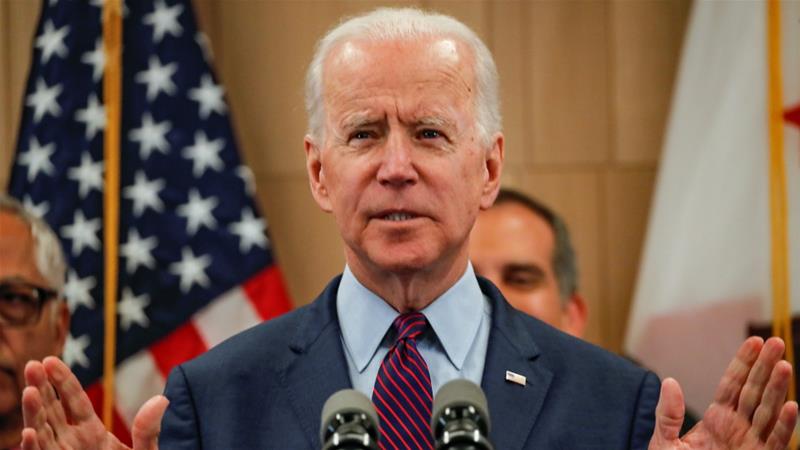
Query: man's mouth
point(399, 216)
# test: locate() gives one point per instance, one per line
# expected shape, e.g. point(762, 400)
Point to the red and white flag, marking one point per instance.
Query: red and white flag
point(712, 256)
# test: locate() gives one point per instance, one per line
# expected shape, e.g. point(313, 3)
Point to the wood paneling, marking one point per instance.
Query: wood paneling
point(646, 42)
point(569, 81)
point(627, 193)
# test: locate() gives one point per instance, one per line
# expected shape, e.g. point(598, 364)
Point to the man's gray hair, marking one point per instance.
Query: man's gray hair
point(48, 254)
point(387, 24)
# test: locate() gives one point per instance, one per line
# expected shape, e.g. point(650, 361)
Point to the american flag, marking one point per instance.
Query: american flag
point(195, 261)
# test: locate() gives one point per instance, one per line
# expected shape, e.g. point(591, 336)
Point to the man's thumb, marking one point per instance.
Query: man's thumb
point(147, 423)
point(669, 415)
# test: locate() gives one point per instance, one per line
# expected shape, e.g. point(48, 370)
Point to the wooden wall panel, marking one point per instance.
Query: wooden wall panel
point(19, 27)
point(627, 193)
point(647, 37)
point(6, 128)
point(569, 80)
point(575, 195)
point(306, 240)
point(507, 42)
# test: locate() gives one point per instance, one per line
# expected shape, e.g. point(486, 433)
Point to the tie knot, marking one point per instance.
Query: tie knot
point(410, 325)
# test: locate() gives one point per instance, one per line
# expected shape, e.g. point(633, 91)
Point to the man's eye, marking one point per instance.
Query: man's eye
point(360, 135)
point(430, 134)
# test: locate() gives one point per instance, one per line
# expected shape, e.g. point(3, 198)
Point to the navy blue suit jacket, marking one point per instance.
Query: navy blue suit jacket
point(264, 388)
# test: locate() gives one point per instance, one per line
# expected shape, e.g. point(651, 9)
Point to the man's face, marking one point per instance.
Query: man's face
point(42, 338)
point(402, 166)
point(513, 248)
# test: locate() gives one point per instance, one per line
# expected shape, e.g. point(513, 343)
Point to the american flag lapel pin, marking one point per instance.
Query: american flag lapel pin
point(516, 378)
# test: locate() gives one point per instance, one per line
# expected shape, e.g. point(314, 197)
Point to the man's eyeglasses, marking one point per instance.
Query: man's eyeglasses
point(21, 303)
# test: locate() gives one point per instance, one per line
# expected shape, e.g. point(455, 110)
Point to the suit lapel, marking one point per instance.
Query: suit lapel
point(318, 368)
point(513, 408)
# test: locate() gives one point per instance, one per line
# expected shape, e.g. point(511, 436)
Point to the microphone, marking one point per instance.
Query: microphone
point(349, 422)
point(460, 419)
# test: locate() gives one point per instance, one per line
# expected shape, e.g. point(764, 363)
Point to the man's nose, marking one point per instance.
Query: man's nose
point(397, 167)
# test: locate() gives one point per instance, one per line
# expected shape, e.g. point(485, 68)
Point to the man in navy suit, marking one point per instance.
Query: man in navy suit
point(404, 149)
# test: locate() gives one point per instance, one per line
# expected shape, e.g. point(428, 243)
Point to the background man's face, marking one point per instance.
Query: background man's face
point(20, 344)
point(513, 248)
point(401, 167)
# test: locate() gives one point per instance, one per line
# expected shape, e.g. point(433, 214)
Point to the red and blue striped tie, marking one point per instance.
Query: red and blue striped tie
point(402, 393)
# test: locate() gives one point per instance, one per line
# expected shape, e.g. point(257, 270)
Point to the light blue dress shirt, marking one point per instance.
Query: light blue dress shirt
point(454, 346)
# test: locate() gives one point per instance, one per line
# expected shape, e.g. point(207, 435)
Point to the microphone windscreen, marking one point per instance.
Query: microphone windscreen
point(457, 393)
point(346, 401)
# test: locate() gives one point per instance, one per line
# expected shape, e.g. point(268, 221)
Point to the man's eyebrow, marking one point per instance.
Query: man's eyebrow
point(359, 119)
point(434, 121)
point(519, 267)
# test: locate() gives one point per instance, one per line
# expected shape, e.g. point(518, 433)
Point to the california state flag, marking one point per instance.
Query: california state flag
point(722, 255)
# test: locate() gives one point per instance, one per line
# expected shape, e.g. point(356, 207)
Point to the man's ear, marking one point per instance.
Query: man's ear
point(316, 175)
point(493, 169)
point(575, 316)
point(61, 325)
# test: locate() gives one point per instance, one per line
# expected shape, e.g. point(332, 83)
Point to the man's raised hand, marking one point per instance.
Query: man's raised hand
point(749, 410)
point(59, 415)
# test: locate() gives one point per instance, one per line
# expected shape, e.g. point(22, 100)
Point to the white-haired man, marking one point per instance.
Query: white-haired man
point(404, 148)
point(33, 317)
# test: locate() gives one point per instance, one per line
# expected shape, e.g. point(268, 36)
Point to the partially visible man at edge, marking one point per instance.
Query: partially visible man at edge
point(34, 318)
point(404, 149)
point(524, 247)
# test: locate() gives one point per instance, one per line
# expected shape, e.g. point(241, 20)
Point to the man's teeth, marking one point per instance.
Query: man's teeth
point(397, 217)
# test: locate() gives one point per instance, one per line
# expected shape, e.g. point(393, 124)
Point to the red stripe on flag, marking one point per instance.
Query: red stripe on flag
point(177, 347)
point(120, 430)
point(267, 293)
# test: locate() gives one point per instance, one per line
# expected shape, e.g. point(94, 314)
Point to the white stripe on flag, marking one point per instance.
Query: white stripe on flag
point(229, 314)
point(137, 380)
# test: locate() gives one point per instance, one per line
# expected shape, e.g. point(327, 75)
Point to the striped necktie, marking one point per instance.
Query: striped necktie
point(402, 393)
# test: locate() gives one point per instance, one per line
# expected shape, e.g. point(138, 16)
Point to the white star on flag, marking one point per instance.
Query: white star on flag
point(151, 136)
point(89, 175)
point(37, 159)
point(82, 233)
point(204, 153)
point(191, 270)
point(250, 231)
point(247, 177)
point(205, 46)
point(209, 97)
point(39, 210)
point(158, 78)
point(163, 20)
point(197, 211)
point(138, 251)
point(93, 116)
point(75, 351)
point(97, 59)
point(131, 310)
point(44, 100)
point(78, 290)
point(52, 41)
point(144, 194)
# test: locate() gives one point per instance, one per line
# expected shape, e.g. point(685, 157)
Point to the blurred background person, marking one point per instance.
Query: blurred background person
point(524, 248)
point(34, 317)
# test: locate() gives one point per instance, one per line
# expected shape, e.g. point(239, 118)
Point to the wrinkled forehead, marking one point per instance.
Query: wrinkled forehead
point(362, 63)
point(16, 245)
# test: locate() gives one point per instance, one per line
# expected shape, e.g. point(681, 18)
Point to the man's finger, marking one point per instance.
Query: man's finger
point(76, 403)
point(35, 376)
point(147, 423)
point(753, 389)
point(29, 441)
point(767, 413)
point(782, 432)
point(35, 418)
point(736, 374)
point(669, 412)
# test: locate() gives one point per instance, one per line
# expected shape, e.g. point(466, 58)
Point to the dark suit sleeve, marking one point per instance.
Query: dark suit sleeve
point(179, 426)
point(644, 419)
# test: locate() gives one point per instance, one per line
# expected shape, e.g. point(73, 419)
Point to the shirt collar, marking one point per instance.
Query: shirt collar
point(364, 318)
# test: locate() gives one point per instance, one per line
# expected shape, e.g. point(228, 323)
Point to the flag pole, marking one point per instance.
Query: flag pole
point(781, 308)
point(112, 98)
